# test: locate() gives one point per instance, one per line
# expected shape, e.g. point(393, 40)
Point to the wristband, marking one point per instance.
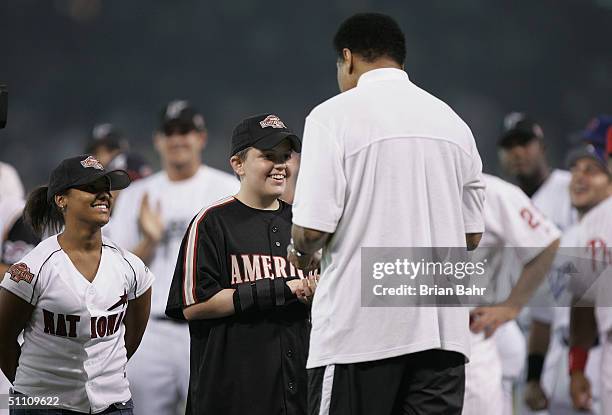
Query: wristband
point(577, 359)
point(264, 294)
point(535, 365)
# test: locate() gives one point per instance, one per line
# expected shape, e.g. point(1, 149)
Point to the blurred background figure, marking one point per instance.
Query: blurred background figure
point(10, 183)
point(106, 143)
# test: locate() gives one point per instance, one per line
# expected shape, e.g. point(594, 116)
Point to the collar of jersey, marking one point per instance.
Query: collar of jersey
point(382, 74)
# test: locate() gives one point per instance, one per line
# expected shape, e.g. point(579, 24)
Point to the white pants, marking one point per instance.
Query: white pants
point(483, 378)
point(512, 348)
point(556, 381)
point(159, 370)
point(606, 373)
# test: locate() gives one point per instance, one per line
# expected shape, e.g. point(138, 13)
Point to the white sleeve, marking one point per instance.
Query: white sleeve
point(321, 185)
point(22, 279)
point(123, 226)
point(473, 193)
point(10, 183)
point(144, 278)
point(524, 226)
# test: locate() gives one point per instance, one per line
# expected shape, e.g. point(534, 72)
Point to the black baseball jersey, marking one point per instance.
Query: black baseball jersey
point(249, 363)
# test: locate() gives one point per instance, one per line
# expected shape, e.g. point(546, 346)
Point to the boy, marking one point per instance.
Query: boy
point(232, 283)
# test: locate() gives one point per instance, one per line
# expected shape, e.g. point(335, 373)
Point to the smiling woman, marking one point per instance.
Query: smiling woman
point(79, 298)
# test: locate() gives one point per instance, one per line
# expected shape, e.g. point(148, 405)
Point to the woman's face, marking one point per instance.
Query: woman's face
point(90, 204)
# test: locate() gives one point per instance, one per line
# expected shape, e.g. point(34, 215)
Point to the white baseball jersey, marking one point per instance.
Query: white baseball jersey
point(74, 342)
point(10, 183)
point(402, 173)
point(596, 234)
point(553, 199)
point(179, 202)
point(511, 221)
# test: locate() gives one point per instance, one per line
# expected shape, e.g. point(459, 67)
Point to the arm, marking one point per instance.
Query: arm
point(537, 348)
point(490, 318)
point(308, 242)
point(135, 321)
point(223, 304)
point(583, 334)
point(472, 240)
point(14, 315)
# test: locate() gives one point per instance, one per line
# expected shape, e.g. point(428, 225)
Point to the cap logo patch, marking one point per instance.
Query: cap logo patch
point(91, 161)
point(175, 108)
point(20, 272)
point(272, 121)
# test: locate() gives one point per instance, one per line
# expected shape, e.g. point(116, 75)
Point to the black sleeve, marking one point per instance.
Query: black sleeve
point(198, 271)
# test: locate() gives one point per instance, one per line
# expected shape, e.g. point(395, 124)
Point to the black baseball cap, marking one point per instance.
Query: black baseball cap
point(107, 135)
point(263, 132)
point(180, 116)
point(81, 170)
point(518, 129)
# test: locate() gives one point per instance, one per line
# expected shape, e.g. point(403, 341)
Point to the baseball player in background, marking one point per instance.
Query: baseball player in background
point(547, 376)
point(82, 301)
point(249, 332)
point(519, 241)
point(150, 218)
point(110, 147)
point(595, 235)
point(523, 158)
point(10, 183)
point(361, 165)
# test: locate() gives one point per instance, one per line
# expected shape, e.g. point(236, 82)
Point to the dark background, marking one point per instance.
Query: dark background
point(73, 63)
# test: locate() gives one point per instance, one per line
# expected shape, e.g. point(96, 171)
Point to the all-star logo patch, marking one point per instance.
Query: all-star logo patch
point(123, 299)
point(91, 161)
point(20, 272)
point(272, 121)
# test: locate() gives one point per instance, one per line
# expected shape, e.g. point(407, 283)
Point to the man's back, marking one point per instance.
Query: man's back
point(384, 165)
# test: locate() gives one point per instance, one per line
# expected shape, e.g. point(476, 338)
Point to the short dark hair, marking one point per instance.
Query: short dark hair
point(372, 36)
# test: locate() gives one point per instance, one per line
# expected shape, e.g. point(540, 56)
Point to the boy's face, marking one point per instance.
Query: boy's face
point(265, 172)
point(590, 184)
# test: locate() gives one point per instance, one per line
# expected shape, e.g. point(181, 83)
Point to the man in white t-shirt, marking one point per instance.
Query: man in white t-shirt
point(384, 164)
point(150, 218)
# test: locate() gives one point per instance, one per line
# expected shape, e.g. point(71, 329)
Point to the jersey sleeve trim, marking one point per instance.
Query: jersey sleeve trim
point(190, 266)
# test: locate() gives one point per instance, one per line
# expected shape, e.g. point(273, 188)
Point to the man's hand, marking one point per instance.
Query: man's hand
point(305, 262)
point(580, 391)
point(488, 319)
point(535, 398)
point(150, 220)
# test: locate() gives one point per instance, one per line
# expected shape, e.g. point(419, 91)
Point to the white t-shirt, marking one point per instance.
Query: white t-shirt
point(511, 221)
point(10, 183)
point(553, 199)
point(596, 234)
point(179, 201)
point(74, 342)
point(385, 164)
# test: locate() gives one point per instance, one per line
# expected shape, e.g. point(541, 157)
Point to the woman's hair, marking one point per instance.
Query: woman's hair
point(41, 214)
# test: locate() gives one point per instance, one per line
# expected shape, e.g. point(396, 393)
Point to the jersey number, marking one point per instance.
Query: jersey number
point(528, 216)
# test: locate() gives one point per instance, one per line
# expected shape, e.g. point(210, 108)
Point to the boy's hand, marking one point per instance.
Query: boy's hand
point(304, 289)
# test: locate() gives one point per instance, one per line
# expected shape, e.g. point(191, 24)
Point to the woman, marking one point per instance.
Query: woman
point(82, 302)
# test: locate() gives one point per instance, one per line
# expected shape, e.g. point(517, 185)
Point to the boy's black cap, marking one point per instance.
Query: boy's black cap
point(180, 116)
point(80, 170)
point(263, 131)
point(519, 128)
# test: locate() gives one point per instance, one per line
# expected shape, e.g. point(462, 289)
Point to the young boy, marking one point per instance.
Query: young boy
point(249, 332)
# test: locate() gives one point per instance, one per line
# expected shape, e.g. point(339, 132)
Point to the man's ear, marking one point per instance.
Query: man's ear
point(347, 55)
